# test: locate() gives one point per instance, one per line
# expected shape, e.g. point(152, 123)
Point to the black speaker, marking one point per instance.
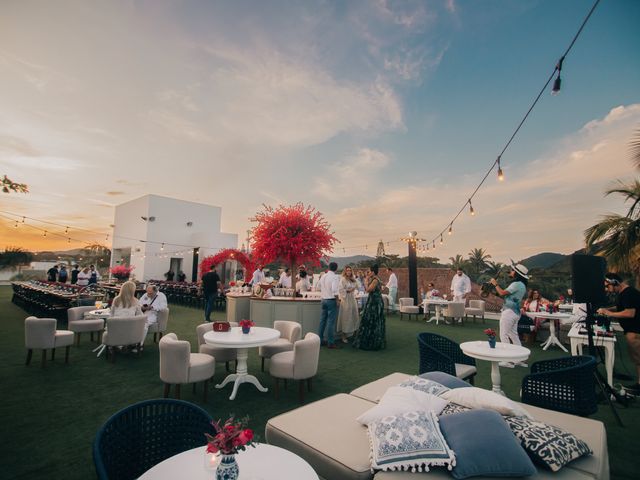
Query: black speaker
point(587, 279)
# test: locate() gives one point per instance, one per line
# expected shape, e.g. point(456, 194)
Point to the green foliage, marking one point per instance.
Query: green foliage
point(13, 257)
point(9, 186)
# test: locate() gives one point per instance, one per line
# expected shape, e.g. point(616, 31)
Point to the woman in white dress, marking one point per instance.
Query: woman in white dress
point(348, 318)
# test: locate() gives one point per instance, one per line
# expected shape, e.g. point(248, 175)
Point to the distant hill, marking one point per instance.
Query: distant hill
point(343, 261)
point(543, 260)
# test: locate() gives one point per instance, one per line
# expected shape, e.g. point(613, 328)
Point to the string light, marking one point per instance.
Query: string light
point(441, 240)
point(66, 229)
point(558, 81)
point(500, 174)
point(471, 210)
point(450, 229)
point(16, 225)
point(162, 247)
point(434, 244)
point(45, 233)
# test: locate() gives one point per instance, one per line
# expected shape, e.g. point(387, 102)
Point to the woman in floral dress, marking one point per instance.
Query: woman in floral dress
point(348, 318)
point(371, 334)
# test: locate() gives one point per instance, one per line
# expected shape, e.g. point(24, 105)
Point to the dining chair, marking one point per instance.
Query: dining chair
point(441, 354)
point(300, 364)
point(454, 310)
point(77, 323)
point(476, 308)
point(179, 366)
point(290, 333)
point(41, 333)
point(144, 434)
point(408, 308)
point(123, 332)
point(161, 325)
point(220, 354)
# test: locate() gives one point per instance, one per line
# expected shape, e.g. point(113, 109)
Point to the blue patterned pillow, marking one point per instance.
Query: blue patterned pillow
point(409, 441)
point(424, 385)
point(445, 379)
point(547, 445)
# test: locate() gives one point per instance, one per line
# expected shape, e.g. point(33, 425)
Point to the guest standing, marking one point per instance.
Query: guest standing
point(63, 275)
point(83, 277)
point(510, 315)
point(392, 285)
point(348, 318)
point(303, 285)
point(210, 285)
point(94, 275)
point(285, 279)
point(169, 275)
point(460, 287)
point(328, 286)
point(371, 335)
point(152, 302)
point(52, 274)
point(74, 274)
point(182, 276)
point(258, 276)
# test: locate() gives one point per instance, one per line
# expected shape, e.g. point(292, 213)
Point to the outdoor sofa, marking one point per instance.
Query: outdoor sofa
point(326, 434)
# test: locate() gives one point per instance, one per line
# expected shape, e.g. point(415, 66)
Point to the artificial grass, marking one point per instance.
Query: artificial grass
point(49, 416)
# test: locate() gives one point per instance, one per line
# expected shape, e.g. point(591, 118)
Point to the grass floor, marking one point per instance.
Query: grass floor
point(49, 416)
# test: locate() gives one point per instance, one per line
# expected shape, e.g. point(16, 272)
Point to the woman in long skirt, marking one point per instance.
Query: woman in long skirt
point(371, 334)
point(348, 318)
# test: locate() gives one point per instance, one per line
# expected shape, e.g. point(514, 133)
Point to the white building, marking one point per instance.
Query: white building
point(156, 234)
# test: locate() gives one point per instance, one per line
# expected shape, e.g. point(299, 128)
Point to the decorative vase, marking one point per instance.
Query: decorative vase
point(246, 329)
point(492, 342)
point(227, 468)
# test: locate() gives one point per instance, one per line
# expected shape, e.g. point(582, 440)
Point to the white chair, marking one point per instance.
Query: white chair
point(408, 308)
point(290, 333)
point(301, 363)
point(454, 310)
point(42, 333)
point(123, 332)
point(220, 354)
point(179, 366)
point(475, 309)
point(161, 325)
point(78, 324)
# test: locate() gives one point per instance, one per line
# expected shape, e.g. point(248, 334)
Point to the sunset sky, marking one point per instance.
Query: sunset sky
point(383, 115)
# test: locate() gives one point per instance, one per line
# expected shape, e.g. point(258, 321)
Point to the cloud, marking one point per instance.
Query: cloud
point(12, 144)
point(616, 114)
point(43, 162)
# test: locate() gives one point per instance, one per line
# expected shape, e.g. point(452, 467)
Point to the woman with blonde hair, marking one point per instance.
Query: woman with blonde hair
point(348, 318)
point(126, 304)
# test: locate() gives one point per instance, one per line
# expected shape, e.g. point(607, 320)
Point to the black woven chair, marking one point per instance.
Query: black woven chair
point(146, 433)
point(440, 354)
point(565, 384)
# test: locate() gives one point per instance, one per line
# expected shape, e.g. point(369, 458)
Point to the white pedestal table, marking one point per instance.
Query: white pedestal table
point(439, 303)
point(553, 339)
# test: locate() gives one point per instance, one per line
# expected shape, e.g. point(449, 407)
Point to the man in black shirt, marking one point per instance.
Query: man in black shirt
point(52, 274)
point(74, 274)
point(210, 284)
point(627, 312)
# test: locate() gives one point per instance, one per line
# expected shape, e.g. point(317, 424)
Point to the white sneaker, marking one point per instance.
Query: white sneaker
point(506, 364)
point(522, 364)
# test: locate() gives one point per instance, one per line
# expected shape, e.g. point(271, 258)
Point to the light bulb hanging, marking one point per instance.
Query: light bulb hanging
point(555, 90)
point(500, 174)
point(471, 210)
point(162, 247)
point(450, 229)
point(66, 229)
point(441, 240)
point(45, 233)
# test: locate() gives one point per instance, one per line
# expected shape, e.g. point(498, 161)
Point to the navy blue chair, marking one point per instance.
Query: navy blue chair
point(440, 354)
point(565, 384)
point(144, 434)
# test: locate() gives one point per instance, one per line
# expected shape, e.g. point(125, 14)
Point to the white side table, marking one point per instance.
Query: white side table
point(439, 303)
point(234, 338)
point(609, 343)
point(265, 462)
point(504, 352)
point(553, 339)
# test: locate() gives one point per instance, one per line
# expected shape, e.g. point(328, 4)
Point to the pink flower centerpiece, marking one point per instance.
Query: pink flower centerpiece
point(229, 439)
point(121, 272)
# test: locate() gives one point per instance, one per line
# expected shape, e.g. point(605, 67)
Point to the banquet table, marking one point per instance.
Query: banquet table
point(439, 303)
point(553, 339)
point(503, 352)
point(234, 338)
point(264, 462)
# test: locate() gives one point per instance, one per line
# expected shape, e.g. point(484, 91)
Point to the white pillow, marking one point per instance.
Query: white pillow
point(474, 397)
point(399, 400)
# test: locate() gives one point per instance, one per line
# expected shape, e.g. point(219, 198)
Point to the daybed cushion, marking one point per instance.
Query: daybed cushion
point(399, 400)
point(373, 391)
point(326, 434)
point(474, 397)
point(484, 445)
point(445, 379)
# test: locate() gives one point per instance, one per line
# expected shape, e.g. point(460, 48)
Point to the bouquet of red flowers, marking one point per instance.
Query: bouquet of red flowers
point(490, 332)
point(231, 437)
point(121, 272)
point(232, 284)
point(246, 323)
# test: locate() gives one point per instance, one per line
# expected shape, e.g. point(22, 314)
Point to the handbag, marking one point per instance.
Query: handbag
point(221, 326)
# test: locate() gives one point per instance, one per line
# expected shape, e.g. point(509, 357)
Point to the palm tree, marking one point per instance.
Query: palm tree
point(13, 257)
point(478, 259)
point(635, 149)
point(494, 268)
point(9, 185)
point(457, 262)
point(617, 237)
point(96, 254)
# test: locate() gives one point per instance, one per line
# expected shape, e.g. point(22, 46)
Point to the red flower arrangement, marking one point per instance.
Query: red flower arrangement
point(121, 272)
point(246, 323)
point(231, 437)
point(490, 332)
point(226, 254)
point(232, 284)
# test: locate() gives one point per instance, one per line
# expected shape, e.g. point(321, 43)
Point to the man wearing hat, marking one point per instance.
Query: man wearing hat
point(510, 315)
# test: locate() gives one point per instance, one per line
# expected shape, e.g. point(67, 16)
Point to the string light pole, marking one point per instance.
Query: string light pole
point(412, 241)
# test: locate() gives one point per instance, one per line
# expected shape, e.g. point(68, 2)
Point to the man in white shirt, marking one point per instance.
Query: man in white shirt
point(83, 277)
point(328, 286)
point(460, 287)
point(151, 303)
point(258, 276)
point(285, 279)
point(392, 285)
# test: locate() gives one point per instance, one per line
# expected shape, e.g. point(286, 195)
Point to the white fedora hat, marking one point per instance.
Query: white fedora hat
point(520, 270)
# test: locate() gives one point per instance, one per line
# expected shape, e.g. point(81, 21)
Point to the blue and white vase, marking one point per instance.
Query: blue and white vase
point(227, 468)
point(246, 330)
point(492, 342)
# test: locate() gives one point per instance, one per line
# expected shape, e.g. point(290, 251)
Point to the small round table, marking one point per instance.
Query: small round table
point(552, 317)
point(504, 352)
point(234, 338)
point(439, 303)
point(264, 462)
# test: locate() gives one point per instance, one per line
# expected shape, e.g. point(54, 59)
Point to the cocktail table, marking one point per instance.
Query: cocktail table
point(504, 352)
point(439, 303)
point(234, 338)
point(552, 340)
point(265, 462)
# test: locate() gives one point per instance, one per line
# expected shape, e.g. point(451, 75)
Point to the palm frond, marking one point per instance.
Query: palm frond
point(631, 191)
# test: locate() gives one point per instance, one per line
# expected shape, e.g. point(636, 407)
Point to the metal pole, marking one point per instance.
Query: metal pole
point(194, 268)
point(413, 272)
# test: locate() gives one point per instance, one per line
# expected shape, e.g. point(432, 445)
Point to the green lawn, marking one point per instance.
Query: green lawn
point(50, 416)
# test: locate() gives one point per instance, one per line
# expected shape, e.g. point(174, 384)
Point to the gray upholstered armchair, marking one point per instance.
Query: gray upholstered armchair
point(78, 324)
point(123, 332)
point(161, 326)
point(475, 309)
point(300, 364)
point(220, 354)
point(290, 333)
point(41, 333)
point(178, 365)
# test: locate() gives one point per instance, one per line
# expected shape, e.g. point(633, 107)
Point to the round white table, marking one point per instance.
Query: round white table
point(264, 462)
point(234, 338)
point(552, 340)
point(103, 313)
point(504, 352)
point(439, 303)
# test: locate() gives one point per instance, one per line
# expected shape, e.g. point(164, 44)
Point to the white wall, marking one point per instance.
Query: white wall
point(170, 226)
